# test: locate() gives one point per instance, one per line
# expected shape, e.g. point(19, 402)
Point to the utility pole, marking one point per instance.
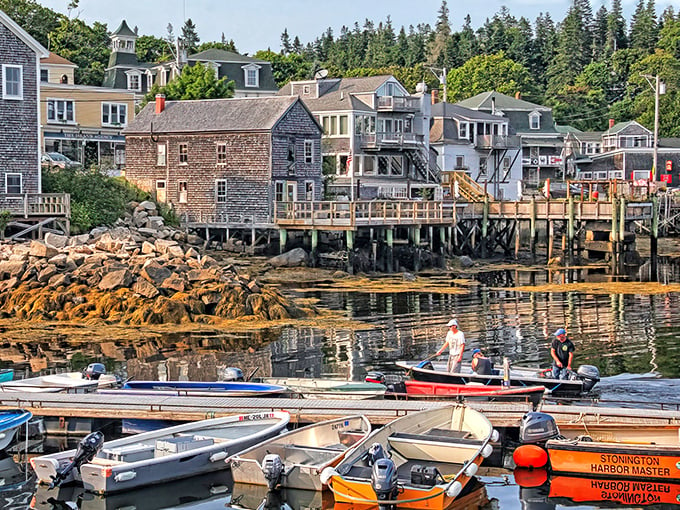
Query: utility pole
point(441, 76)
point(659, 88)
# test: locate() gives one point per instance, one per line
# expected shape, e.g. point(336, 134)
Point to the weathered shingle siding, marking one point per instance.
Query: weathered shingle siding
point(297, 126)
point(19, 118)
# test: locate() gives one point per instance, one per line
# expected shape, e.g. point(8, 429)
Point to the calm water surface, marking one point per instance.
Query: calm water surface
point(632, 339)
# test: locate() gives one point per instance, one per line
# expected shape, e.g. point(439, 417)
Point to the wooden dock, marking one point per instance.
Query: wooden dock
point(379, 412)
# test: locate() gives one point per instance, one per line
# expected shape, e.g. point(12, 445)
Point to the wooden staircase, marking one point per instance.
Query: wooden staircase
point(468, 188)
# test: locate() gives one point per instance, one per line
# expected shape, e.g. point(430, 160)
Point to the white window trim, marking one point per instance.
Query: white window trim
point(537, 116)
point(179, 154)
point(463, 126)
point(5, 95)
point(309, 144)
point(165, 154)
point(217, 194)
point(307, 182)
point(217, 154)
point(21, 183)
point(118, 105)
point(130, 74)
point(182, 196)
point(62, 100)
point(251, 67)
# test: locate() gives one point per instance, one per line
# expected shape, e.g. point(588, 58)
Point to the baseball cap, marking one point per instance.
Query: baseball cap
point(476, 351)
point(452, 322)
point(560, 332)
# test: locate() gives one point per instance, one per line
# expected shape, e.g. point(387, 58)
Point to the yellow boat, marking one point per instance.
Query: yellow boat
point(421, 461)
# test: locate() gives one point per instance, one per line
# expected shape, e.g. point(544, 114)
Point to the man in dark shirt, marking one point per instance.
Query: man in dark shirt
point(562, 352)
point(481, 365)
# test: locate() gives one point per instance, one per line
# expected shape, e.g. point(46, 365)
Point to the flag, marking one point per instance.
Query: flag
point(349, 162)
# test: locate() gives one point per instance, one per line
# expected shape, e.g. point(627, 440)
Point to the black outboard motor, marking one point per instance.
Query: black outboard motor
point(87, 449)
point(94, 371)
point(384, 482)
point(233, 374)
point(272, 469)
point(590, 376)
point(375, 453)
point(537, 428)
point(375, 377)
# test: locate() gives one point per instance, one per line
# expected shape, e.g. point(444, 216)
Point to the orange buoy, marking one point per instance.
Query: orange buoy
point(530, 456)
point(530, 477)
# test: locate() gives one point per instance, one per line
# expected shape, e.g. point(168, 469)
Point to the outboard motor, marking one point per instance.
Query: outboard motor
point(537, 428)
point(272, 468)
point(375, 377)
point(88, 447)
point(384, 481)
point(94, 371)
point(590, 376)
point(233, 374)
point(375, 453)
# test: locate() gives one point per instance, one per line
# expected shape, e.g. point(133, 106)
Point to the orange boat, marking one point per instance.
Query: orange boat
point(619, 491)
point(420, 461)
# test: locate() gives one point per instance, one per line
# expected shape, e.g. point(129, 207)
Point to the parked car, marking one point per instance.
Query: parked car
point(51, 159)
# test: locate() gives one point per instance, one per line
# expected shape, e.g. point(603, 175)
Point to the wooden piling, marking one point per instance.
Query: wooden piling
point(654, 232)
point(571, 231)
point(389, 252)
point(283, 238)
point(532, 228)
point(315, 246)
point(615, 226)
point(485, 226)
point(349, 237)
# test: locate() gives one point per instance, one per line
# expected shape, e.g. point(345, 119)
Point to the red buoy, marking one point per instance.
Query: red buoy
point(530, 477)
point(530, 456)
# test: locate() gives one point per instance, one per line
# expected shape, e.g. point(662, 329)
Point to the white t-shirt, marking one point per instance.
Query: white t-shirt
point(456, 343)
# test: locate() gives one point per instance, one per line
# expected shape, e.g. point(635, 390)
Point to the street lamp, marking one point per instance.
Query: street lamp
point(659, 88)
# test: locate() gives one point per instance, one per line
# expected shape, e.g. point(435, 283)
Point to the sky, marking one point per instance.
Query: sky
point(258, 24)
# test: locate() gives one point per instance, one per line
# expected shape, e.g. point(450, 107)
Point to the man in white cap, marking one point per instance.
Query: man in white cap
point(455, 340)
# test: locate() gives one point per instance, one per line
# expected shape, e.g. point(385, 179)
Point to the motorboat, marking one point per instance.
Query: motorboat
point(581, 381)
point(443, 391)
point(296, 459)
point(203, 388)
point(94, 377)
point(248, 496)
point(6, 374)
point(632, 457)
point(10, 422)
point(329, 388)
point(158, 456)
point(421, 460)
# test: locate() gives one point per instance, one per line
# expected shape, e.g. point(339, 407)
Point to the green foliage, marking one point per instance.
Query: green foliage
point(5, 217)
point(37, 20)
point(286, 67)
point(489, 72)
point(224, 45)
point(168, 214)
point(152, 49)
point(190, 37)
point(96, 199)
point(87, 47)
point(408, 76)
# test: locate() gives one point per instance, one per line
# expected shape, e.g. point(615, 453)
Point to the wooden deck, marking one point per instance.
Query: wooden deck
point(41, 205)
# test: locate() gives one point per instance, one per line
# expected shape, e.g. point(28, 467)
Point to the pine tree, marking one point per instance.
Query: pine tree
point(297, 46)
point(286, 47)
point(439, 46)
point(468, 46)
point(616, 28)
point(190, 36)
point(643, 27)
point(545, 42)
point(572, 55)
point(600, 33)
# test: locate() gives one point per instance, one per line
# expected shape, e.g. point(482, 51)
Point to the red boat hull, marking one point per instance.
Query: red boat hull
point(532, 394)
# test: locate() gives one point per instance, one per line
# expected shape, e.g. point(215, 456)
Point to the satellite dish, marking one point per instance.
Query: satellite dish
point(321, 74)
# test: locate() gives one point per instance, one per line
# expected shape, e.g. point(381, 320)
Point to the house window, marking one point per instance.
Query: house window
point(506, 166)
point(309, 151)
point(252, 76)
point(482, 166)
point(221, 153)
point(183, 153)
point(161, 152)
point(13, 184)
point(463, 130)
point(397, 166)
point(460, 161)
point(369, 165)
point(60, 110)
point(161, 191)
point(279, 187)
point(134, 82)
point(305, 90)
point(44, 75)
point(114, 114)
point(309, 191)
point(221, 191)
point(12, 82)
point(343, 125)
point(183, 192)
point(534, 120)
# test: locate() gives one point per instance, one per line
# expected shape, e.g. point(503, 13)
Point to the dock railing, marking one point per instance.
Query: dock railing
point(37, 204)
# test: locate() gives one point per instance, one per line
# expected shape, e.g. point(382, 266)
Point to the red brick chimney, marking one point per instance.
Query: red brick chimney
point(435, 96)
point(611, 123)
point(160, 103)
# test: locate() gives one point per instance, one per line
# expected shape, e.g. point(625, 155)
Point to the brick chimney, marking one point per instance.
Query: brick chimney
point(435, 96)
point(160, 103)
point(611, 123)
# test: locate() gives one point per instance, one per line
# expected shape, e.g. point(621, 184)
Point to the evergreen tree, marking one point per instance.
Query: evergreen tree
point(600, 33)
point(190, 37)
point(297, 46)
point(545, 42)
point(643, 27)
point(572, 53)
point(286, 47)
point(468, 46)
point(616, 28)
point(439, 46)
point(401, 57)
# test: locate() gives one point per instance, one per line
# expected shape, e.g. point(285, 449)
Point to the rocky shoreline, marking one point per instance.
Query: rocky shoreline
point(139, 272)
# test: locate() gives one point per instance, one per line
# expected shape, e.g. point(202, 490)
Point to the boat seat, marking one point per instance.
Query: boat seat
point(99, 461)
point(459, 434)
point(403, 437)
point(333, 447)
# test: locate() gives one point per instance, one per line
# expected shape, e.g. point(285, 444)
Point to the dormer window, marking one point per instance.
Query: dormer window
point(534, 120)
point(462, 130)
point(251, 75)
point(134, 81)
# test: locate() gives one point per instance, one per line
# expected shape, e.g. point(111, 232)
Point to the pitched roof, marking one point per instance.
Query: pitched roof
point(484, 101)
point(218, 55)
point(449, 110)
point(337, 94)
point(565, 129)
point(23, 35)
point(213, 115)
point(620, 126)
point(55, 59)
point(124, 30)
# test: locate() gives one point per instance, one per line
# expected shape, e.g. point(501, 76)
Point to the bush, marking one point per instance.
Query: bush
point(5, 217)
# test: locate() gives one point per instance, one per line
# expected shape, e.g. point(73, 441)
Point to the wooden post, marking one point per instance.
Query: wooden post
point(431, 233)
point(615, 226)
point(551, 238)
point(283, 238)
point(315, 245)
point(389, 253)
point(415, 240)
point(349, 236)
point(654, 233)
point(449, 241)
point(532, 228)
point(485, 226)
point(571, 231)
point(442, 240)
point(518, 236)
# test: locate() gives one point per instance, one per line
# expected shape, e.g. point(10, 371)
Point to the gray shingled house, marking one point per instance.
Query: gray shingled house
point(19, 112)
point(226, 160)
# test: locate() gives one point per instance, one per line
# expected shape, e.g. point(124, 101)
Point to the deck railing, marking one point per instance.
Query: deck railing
point(37, 204)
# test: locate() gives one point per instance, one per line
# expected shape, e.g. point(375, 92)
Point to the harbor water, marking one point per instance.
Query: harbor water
point(631, 336)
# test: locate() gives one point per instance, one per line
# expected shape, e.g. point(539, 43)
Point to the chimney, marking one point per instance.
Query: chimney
point(611, 123)
point(435, 96)
point(160, 103)
point(493, 105)
point(518, 95)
